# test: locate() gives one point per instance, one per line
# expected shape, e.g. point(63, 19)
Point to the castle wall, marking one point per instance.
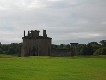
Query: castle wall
point(61, 52)
point(44, 47)
point(36, 47)
point(25, 48)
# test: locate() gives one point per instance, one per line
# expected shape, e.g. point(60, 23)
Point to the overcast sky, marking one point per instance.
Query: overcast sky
point(66, 21)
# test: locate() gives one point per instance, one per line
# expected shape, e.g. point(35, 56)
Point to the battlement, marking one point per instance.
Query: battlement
point(34, 34)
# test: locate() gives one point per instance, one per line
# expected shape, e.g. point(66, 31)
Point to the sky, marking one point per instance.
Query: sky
point(66, 21)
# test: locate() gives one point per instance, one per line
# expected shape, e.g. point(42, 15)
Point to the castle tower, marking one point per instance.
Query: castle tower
point(35, 45)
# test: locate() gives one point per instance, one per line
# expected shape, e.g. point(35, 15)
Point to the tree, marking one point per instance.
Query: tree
point(67, 46)
point(13, 49)
point(62, 46)
point(82, 49)
point(100, 51)
point(103, 43)
point(92, 47)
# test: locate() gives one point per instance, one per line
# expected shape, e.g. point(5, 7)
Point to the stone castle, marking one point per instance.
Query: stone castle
point(36, 45)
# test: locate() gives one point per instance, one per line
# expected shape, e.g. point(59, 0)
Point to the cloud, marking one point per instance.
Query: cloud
point(55, 0)
point(65, 20)
point(104, 23)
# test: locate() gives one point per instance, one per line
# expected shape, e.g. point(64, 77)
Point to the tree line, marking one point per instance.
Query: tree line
point(11, 49)
point(92, 48)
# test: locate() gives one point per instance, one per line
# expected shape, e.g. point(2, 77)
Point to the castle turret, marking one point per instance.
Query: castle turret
point(44, 33)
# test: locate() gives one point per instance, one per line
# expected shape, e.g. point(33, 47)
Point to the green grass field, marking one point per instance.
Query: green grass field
point(52, 68)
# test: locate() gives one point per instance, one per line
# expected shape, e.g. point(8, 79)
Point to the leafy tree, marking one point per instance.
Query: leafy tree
point(13, 49)
point(82, 49)
point(1, 51)
point(92, 47)
point(103, 43)
point(62, 46)
point(100, 51)
point(5, 48)
point(1, 48)
point(67, 46)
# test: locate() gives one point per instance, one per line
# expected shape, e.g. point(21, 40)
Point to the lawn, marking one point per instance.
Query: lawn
point(53, 68)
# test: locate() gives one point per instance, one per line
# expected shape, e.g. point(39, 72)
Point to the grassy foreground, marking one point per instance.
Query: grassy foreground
point(52, 68)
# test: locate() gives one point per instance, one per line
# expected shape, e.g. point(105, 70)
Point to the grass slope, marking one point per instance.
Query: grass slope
point(52, 68)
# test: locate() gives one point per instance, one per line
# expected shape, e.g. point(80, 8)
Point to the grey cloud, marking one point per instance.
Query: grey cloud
point(66, 21)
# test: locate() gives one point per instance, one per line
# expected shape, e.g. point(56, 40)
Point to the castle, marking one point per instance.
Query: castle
point(36, 45)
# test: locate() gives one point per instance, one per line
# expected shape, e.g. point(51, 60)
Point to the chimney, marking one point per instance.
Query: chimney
point(36, 33)
point(28, 33)
point(24, 33)
point(44, 33)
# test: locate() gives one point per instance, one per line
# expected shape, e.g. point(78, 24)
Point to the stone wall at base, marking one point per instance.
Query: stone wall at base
point(60, 52)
